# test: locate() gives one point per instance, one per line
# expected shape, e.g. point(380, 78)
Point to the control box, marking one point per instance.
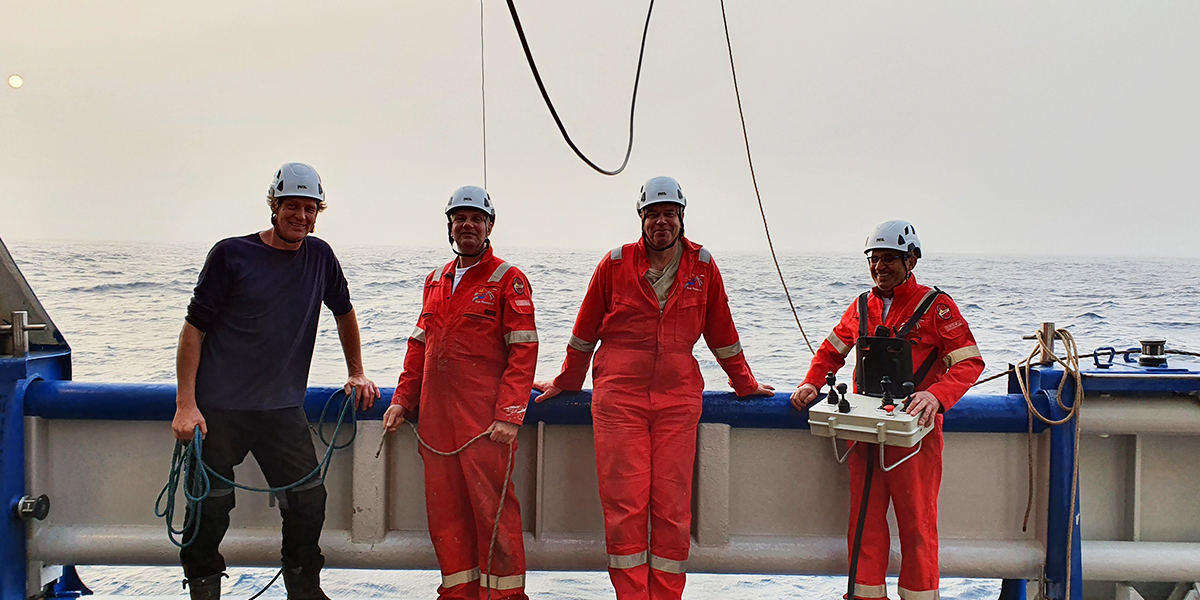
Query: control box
point(865, 421)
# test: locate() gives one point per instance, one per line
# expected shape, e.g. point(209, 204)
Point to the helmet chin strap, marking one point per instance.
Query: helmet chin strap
point(279, 235)
point(487, 243)
point(907, 271)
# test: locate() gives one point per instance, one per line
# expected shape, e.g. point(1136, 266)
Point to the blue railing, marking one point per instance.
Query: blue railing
point(984, 413)
point(37, 385)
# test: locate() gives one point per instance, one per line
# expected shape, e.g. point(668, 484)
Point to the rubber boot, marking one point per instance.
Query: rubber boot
point(303, 584)
point(205, 588)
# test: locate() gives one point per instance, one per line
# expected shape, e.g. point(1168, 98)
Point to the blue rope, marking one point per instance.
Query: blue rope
point(187, 466)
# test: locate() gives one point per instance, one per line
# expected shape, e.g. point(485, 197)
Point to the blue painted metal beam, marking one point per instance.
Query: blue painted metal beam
point(999, 413)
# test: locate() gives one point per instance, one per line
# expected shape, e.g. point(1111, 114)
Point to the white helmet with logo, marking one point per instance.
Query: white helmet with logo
point(659, 190)
point(296, 179)
point(895, 235)
point(471, 196)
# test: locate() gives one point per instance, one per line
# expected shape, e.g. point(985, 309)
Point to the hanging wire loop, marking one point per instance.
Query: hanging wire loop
point(512, 9)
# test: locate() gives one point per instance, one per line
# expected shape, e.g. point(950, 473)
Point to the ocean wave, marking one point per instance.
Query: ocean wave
point(119, 286)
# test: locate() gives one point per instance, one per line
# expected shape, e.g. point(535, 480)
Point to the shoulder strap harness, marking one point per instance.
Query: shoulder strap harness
point(907, 328)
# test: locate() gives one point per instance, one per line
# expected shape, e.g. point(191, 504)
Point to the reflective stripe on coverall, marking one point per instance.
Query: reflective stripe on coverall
point(913, 486)
point(470, 362)
point(646, 405)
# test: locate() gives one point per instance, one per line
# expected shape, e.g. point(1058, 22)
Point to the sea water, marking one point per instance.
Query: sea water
point(121, 305)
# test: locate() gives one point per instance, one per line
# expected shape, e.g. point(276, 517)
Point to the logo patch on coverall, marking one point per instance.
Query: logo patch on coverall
point(695, 282)
point(943, 311)
point(518, 286)
point(484, 296)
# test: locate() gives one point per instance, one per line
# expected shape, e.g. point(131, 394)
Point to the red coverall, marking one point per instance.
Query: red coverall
point(912, 486)
point(470, 362)
point(646, 405)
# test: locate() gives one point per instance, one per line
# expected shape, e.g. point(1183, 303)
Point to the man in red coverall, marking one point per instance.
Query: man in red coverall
point(646, 306)
point(944, 348)
point(469, 367)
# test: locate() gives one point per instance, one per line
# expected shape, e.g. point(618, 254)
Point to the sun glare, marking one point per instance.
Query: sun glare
point(15, 81)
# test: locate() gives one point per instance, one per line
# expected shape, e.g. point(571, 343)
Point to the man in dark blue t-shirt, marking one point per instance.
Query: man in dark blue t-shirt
point(242, 366)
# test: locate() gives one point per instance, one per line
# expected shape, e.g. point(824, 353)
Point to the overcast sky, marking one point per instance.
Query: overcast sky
point(1069, 127)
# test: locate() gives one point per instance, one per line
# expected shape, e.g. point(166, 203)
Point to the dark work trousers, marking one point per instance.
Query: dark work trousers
point(282, 446)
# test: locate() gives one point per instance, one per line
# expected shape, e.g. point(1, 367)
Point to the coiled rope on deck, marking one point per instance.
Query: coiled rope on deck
point(512, 449)
point(188, 467)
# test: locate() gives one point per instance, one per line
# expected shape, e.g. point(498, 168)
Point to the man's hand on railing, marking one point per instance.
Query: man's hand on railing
point(804, 396)
point(365, 389)
point(547, 390)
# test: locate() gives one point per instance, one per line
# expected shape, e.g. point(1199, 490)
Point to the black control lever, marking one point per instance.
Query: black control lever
point(886, 384)
point(831, 381)
point(908, 393)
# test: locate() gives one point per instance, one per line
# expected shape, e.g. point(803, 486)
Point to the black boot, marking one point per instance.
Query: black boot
point(205, 588)
point(303, 583)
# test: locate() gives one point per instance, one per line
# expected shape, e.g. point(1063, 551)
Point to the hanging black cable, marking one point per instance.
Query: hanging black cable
point(512, 9)
point(754, 179)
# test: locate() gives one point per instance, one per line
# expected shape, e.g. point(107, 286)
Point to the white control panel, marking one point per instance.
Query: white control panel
point(866, 421)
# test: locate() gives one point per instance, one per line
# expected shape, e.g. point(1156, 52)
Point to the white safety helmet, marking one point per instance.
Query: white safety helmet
point(659, 190)
point(472, 196)
point(296, 179)
point(894, 235)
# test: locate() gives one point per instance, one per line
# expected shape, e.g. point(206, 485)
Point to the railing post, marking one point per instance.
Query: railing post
point(1048, 335)
point(1059, 515)
point(1012, 589)
point(13, 561)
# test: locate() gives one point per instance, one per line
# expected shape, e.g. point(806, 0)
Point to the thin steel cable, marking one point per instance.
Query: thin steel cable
point(512, 9)
point(483, 91)
point(754, 179)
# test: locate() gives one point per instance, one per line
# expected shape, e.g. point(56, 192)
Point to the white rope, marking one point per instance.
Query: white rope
point(512, 449)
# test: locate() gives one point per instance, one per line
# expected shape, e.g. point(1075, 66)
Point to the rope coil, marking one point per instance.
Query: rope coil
point(187, 465)
point(1070, 365)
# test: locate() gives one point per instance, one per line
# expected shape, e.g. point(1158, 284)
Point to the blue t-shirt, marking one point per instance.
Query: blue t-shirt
point(258, 307)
